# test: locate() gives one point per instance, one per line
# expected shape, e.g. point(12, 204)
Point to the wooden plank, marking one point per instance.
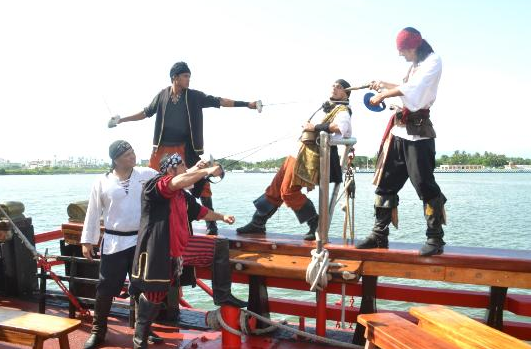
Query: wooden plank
point(283, 266)
point(462, 330)
point(402, 270)
point(390, 331)
point(294, 267)
point(488, 277)
point(398, 252)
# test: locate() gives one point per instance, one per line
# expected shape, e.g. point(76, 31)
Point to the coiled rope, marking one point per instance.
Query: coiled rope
point(316, 272)
point(215, 321)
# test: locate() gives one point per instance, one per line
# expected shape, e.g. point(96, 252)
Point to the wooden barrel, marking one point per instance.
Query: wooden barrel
point(14, 209)
point(77, 211)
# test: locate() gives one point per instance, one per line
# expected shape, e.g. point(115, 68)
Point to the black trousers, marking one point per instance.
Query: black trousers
point(410, 159)
point(113, 270)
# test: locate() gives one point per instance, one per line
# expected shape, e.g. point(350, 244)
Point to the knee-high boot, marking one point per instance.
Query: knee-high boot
point(211, 226)
point(308, 214)
point(221, 276)
point(383, 211)
point(264, 211)
point(102, 308)
point(435, 218)
point(152, 336)
point(147, 312)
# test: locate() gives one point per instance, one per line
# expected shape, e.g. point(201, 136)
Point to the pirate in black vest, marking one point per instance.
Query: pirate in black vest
point(166, 243)
point(179, 125)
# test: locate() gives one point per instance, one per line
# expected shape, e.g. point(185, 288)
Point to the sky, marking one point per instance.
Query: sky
point(66, 67)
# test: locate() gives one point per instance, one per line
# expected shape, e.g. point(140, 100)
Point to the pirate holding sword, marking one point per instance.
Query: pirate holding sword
point(408, 146)
point(179, 126)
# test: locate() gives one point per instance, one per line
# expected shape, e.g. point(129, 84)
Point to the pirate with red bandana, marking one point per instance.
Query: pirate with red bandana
point(408, 147)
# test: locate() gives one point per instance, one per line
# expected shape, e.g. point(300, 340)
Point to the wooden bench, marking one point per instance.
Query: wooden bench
point(462, 330)
point(33, 329)
point(390, 331)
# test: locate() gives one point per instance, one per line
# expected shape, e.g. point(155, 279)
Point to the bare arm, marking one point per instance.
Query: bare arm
point(389, 90)
point(215, 216)
point(135, 117)
point(229, 103)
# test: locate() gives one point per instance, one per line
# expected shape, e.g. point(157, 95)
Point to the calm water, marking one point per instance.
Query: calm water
point(489, 210)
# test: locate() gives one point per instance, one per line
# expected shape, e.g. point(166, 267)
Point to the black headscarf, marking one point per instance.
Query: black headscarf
point(117, 148)
point(168, 161)
point(345, 84)
point(179, 68)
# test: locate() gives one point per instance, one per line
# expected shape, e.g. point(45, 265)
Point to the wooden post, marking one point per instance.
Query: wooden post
point(258, 298)
point(368, 305)
point(494, 314)
point(42, 292)
point(320, 318)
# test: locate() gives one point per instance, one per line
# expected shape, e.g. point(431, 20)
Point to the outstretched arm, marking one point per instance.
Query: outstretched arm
point(187, 179)
point(135, 117)
point(229, 103)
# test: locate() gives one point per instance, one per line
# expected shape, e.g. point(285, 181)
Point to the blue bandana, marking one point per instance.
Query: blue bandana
point(170, 161)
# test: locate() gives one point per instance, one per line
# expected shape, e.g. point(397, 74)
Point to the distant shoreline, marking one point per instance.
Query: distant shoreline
point(486, 170)
point(99, 171)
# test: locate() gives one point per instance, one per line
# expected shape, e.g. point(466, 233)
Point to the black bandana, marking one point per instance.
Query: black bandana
point(179, 68)
point(117, 148)
point(170, 161)
point(345, 84)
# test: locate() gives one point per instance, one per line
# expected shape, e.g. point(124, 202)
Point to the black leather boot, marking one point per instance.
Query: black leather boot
point(435, 218)
point(153, 338)
point(146, 313)
point(102, 307)
point(308, 214)
point(383, 211)
point(313, 224)
point(264, 211)
point(211, 226)
point(221, 276)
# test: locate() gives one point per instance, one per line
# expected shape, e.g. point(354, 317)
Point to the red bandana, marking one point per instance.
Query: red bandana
point(408, 40)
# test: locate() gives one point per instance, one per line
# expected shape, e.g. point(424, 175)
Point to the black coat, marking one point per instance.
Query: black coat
point(151, 265)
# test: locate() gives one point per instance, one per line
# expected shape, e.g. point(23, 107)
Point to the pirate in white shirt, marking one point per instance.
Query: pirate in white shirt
point(408, 147)
point(115, 197)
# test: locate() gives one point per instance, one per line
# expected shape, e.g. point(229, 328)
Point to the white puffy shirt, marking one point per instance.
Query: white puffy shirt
point(420, 90)
point(120, 209)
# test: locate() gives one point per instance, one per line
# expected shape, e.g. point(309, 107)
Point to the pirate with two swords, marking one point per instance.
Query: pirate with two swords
point(179, 126)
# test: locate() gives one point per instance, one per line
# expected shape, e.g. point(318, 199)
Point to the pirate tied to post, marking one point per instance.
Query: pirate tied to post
point(309, 137)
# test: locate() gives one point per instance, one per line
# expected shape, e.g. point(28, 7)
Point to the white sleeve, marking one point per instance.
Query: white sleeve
point(342, 120)
point(420, 91)
point(91, 227)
